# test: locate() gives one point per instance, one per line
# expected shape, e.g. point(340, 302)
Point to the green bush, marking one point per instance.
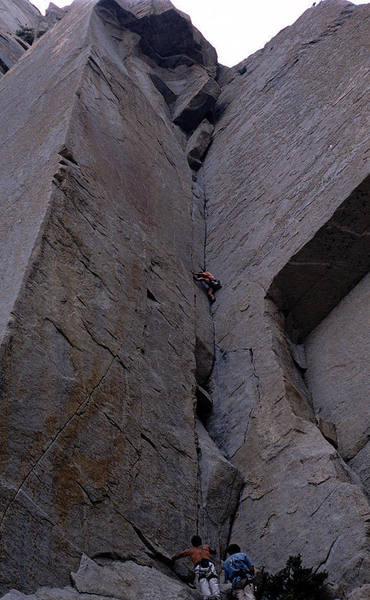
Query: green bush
point(27, 34)
point(294, 582)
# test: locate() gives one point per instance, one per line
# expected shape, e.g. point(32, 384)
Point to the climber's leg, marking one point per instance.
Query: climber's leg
point(211, 295)
point(203, 582)
point(205, 590)
point(245, 593)
point(215, 588)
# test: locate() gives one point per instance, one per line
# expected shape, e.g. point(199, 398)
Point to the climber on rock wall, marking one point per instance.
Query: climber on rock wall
point(203, 566)
point(211, 283)
point(239, 569)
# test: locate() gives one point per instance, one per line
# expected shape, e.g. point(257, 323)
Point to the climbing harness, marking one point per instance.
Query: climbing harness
point(208, 580)
point(215, 284)
point(205, 570)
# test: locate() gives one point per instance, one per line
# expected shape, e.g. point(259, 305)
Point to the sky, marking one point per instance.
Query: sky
point(236, 28)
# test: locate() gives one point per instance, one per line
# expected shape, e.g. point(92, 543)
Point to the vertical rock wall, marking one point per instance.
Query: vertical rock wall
point(106, 342)
point(337, 359)
point(98, 307)
point(18, 13)
point(289, 147)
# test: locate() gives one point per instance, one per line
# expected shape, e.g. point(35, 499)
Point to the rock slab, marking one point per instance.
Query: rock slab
point(118, 580)
point(290, 148)
point(98, 443)
point(15, 14)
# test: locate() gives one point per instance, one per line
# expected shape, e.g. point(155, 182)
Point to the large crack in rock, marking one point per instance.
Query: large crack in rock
point(220, 486)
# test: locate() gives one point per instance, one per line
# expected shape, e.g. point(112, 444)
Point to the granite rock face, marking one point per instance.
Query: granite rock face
point(293, 123)
point(361, 593)
point(198, 100)
point(118, 580)
point(18, 13)
point(15, 14)
point(98, 307)
point(11, 49)
point(53, 14)
point(338, 355)
point(313, 281)
point(127, 581)
point(129, 160)
point(220, 488)
point(235, 393)
point(198, 144)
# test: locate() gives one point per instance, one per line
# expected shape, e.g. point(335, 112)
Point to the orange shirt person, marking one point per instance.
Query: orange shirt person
point(197, 552)
point(204, 568)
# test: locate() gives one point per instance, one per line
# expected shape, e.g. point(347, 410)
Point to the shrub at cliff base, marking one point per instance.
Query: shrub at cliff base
point(294, 582)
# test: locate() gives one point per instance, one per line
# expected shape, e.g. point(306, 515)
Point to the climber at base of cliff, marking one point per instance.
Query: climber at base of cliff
point(239, 569)
point(203, 566)
point(211, 283)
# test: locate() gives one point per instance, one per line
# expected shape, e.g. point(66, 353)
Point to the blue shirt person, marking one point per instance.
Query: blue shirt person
point(239, 569)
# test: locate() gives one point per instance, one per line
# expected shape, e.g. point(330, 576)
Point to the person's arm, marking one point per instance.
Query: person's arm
point(212, 550)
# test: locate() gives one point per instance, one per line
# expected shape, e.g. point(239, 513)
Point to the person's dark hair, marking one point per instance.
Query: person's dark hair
point(196, 540)
point(233, 549)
